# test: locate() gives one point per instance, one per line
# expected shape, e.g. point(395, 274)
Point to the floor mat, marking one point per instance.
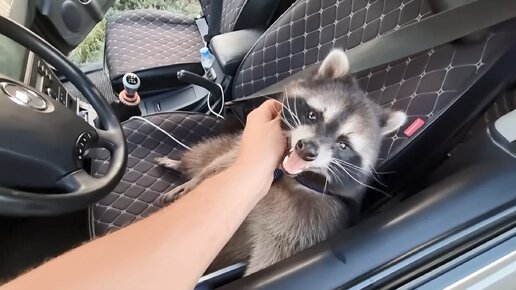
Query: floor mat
point(100, 80)
point(28, 242)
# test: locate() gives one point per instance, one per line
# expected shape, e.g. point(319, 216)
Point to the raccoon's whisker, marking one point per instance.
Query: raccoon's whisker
point(372, 169)
point(352, 166)
point(325, 185)
point(295, 106)
point(349, 164)
point(368, 186)
point(294, 116)
point(343, 168)
point(282, 113)
point(282, 117)
point(285, 120)
point(329, 171)
point(287, 123)
point(334, 174)
point(383, 172)
point(370, 172)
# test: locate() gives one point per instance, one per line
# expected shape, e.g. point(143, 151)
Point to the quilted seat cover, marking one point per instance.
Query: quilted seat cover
point(156, 43)
point(425, 85)
point(206, 8)
point(143, 39)
point(144, 181)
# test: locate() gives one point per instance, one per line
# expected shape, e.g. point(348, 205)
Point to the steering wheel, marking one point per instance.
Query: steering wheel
point(42, 142)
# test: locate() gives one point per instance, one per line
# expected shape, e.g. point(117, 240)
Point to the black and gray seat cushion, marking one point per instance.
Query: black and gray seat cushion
point(428, 86)
point(144, 181)
point(138, 41)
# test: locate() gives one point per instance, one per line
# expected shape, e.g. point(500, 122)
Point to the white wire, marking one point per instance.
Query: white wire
point(209, 108)
point(222, 105)
point(163, 131)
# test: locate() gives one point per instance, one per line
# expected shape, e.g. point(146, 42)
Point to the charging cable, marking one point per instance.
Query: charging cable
point(219, 114)
point(163, 131)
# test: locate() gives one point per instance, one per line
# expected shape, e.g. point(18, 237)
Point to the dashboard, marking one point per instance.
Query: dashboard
point(18, 63)
point(24, 66)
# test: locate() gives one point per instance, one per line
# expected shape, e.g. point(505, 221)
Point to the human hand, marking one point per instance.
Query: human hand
point(263, 143)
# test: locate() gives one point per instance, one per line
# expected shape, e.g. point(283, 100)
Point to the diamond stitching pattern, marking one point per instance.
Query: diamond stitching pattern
point(230, 11)
point(143, 182)
point(206, 8)
point(312, 28)
point(142, 39)
point(424, 85)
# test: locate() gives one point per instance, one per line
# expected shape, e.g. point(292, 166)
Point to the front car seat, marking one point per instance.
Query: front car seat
point(433, 87)
point(156, 44)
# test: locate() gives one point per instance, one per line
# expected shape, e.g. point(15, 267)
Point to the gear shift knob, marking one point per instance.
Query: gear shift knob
point(131, 84)
point(128, 100)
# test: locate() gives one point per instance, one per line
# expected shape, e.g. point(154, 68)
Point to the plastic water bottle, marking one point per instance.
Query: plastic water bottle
point(207, 60)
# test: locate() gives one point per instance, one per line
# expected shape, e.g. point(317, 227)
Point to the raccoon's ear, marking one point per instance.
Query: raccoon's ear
point(390, 120)
point(334, 66)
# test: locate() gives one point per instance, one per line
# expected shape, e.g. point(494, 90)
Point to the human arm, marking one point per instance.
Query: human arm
point(172, 248)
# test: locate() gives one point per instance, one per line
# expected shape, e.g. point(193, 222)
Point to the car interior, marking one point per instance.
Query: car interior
point(77, 145)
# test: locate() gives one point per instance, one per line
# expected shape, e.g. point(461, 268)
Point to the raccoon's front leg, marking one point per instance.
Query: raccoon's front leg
point(168, 163)
point(217, 165)
point(181, 190)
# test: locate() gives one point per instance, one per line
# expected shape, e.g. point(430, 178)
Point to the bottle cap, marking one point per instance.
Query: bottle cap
point(204, 51)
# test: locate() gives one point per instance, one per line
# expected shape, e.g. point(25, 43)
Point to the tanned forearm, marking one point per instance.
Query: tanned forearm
point(168, 250)
point(172, 248)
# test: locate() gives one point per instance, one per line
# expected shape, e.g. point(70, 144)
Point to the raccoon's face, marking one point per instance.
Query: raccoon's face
point(333, 128)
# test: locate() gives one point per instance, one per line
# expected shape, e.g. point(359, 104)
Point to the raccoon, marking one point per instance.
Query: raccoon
point(334, 133)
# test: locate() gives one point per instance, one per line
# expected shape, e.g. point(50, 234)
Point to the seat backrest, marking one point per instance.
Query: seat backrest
point(206, 9)
point(424, 85)
point(308, 30)
point(237, 14)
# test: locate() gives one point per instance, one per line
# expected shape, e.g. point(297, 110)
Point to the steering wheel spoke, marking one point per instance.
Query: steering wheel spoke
point(107, 139)
point(76, 181)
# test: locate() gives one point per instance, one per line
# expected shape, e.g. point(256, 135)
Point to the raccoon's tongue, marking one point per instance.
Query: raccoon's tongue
point(293, 164)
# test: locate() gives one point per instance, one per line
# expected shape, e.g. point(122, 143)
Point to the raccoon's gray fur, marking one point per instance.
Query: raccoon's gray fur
point(331, 112)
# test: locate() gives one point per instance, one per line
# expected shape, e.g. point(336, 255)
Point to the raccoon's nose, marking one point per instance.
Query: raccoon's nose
point(307, 150)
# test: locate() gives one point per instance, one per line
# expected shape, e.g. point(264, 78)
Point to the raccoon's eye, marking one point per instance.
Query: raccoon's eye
point(342, 145)
point(312, 116)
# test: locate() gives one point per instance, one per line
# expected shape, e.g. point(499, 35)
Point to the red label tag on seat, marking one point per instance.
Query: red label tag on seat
point(414, 126)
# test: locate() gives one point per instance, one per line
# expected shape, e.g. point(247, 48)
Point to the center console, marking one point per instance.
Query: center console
point(41, 77)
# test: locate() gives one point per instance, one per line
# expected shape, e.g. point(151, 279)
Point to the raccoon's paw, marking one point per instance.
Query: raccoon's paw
point(178, 192)
point(167, 162)
point(170, 196)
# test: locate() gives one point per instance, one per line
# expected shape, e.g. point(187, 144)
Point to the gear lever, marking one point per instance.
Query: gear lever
point(128, 100)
